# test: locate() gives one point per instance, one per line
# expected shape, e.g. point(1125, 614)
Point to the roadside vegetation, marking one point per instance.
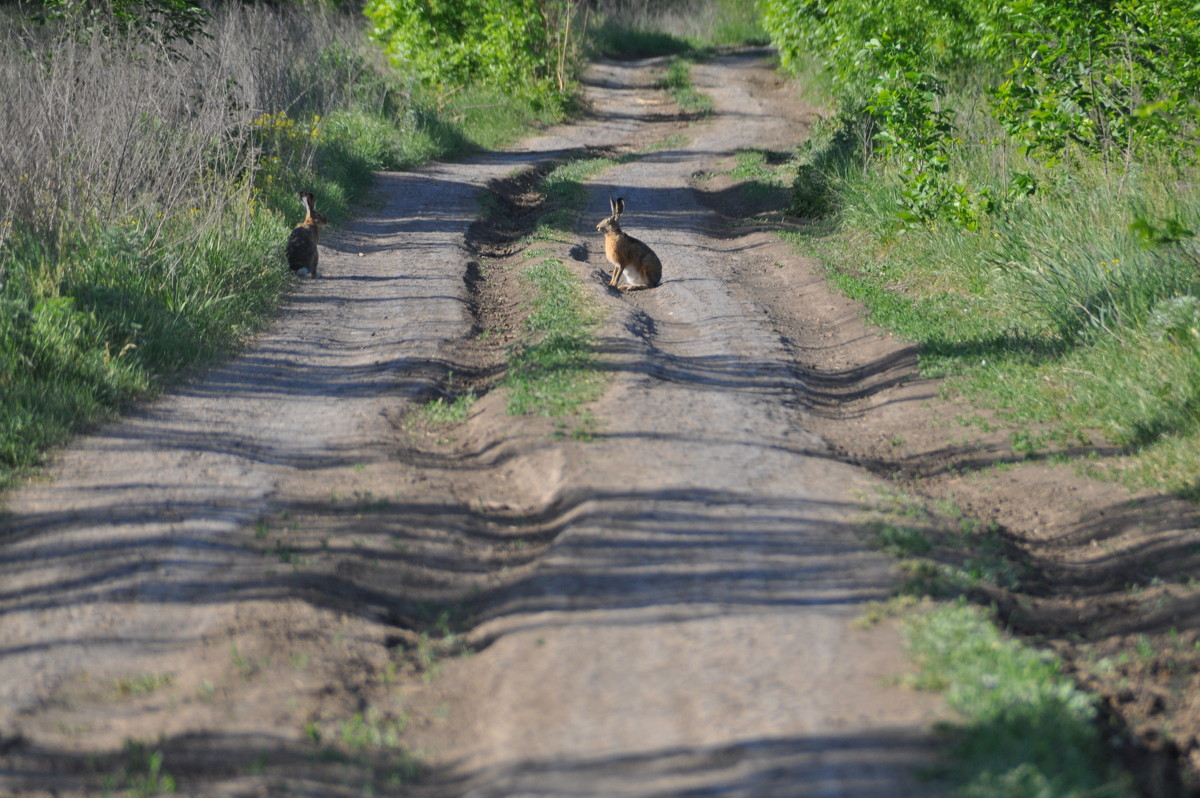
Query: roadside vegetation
point(553, 368)
point(1026, 729)
point(678, 82)
point(1013, 187)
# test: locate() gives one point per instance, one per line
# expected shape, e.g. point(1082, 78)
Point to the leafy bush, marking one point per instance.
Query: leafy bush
point(1067, 79)
point(525, 46)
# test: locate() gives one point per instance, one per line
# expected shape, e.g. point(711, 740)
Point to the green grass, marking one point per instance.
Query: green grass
point(144, 774)
point(565, 195)
point(1025, 730)
point(615, 37)
point(466, 119)
point(144, 684)
point(371, 730)
point(733, 23)
point(943, 553)
point(367, 752)
point(555, 370)
point(443, 412)
point(678, 82)
point(101, 319)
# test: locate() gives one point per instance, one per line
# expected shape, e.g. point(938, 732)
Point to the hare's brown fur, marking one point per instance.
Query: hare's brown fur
point(302, 243)
point(630, 258)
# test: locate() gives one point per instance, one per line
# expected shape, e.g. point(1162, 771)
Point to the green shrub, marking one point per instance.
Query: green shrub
point(524, 46)
point(1066, 79)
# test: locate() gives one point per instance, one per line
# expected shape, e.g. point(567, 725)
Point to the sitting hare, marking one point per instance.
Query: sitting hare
point(302, 243)
point(629, 257)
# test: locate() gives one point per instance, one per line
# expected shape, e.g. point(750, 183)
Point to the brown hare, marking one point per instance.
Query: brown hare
point(302, 243)
point(630, 258)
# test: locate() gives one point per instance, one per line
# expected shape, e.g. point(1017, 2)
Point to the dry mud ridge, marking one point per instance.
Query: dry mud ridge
point(271, 581)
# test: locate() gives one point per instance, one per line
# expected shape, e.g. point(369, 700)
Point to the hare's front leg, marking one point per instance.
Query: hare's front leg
point(616, 275)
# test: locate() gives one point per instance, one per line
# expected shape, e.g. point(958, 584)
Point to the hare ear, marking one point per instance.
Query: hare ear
point(612, 205)
point(619, 207)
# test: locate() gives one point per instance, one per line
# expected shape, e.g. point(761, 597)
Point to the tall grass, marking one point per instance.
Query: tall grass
point(640, 28)
point(146, 188)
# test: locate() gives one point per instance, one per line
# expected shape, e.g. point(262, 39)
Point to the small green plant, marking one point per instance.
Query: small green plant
point(938, 560)
point(901, 541)
point(367, 502)
point(446, 413)
point(244, 666)
point(388, 677)
point(144, 684)
point(372, 731)
point(287, 554)
point(206, 692)
point(144, 774)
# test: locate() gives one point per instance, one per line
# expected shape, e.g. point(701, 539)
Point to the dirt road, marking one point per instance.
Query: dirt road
point(270, 580)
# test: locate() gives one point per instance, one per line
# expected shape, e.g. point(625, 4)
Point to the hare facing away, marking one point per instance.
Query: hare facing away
point(302, 243)
point(631, 259)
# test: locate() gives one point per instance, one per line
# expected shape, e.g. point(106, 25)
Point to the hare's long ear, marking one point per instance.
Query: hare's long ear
point(619, 206)
point(612, 206)
point(307, 199)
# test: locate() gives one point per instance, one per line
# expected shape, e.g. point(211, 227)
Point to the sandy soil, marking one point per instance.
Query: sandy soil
point(280, 582)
